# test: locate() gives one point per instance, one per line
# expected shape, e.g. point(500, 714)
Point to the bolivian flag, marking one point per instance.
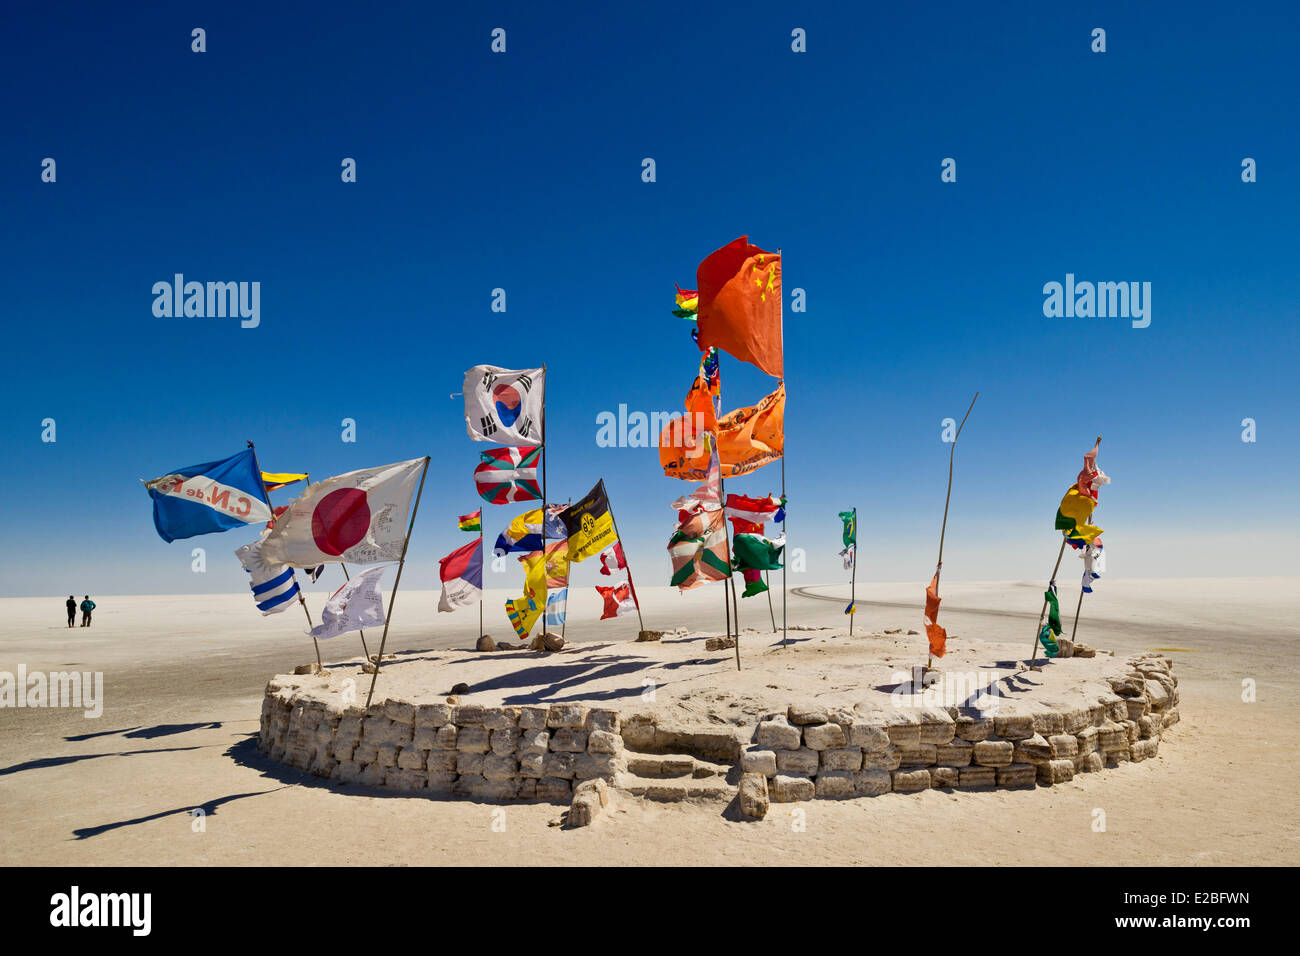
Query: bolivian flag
point(472, 521)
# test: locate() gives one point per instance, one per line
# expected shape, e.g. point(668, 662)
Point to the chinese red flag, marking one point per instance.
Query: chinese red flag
point(740, 304)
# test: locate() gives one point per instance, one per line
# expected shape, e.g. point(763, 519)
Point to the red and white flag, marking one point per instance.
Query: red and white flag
point(618, 600)
point(612, 559)
point(358, 518)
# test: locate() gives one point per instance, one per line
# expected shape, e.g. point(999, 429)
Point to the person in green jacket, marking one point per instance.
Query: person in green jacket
point(86, 607)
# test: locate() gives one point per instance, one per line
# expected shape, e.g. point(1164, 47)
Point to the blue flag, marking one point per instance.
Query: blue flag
point(213, 496)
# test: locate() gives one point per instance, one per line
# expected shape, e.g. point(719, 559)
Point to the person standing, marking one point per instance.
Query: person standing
point(86, 607)
point(72, 610)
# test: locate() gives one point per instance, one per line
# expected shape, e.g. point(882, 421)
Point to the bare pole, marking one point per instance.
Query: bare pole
point(767, 579)
point(631, 586)
point(853, 574)
point(348, 577)
point(786, 553)
point(943, 530)
point(545, 456)
point(392, 598)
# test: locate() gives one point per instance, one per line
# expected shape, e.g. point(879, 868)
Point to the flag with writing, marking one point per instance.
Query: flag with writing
point(214, 496)
point(353, 607)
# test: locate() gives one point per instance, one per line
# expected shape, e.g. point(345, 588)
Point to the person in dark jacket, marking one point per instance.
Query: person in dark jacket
point(72, 610)
point(86, 607)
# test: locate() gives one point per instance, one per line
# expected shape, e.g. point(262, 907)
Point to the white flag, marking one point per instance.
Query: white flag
point(274, 585)
point(359, 518)
point(356, 605)
point(504, 405)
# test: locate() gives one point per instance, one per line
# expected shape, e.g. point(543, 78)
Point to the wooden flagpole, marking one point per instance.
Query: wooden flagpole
point(635, 600)
point(545, 593)
point(943, 530)
point(853, 574)
point(767, 579)
point(392, 598)
point(786, 553)
point(1079, 607)
point(1038, 630)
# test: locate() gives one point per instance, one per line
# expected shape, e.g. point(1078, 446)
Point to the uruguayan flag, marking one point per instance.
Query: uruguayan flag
point(274, 585)
point(557, 605)
point(213, 496)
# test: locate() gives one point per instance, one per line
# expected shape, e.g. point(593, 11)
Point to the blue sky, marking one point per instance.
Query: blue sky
point(523, 171)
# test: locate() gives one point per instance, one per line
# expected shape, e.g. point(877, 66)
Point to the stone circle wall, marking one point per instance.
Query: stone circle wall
point(543, 752)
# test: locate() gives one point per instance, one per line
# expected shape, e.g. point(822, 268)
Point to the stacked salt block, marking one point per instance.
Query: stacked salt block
point(488, 753)
point(815, 751)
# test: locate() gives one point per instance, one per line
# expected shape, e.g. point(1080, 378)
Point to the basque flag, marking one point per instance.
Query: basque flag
point(213, 496)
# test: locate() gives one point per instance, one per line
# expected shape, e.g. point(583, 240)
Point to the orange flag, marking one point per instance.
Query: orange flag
point(740, 304)
point(937, 635)
point(748, 438)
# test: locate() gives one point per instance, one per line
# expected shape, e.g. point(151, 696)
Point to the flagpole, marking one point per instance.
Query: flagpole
point(1079, 607)
point(943, 530)
point(853, 574)
point(785, 563)
point(392, 598)
point(348, 577)
point(722, 494)
point(614, 521)
point(767, 579)
point(1034, 652)
point(564, 621)
point(545, 455)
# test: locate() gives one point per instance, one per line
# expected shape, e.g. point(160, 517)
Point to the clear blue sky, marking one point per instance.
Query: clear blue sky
point(523, 171)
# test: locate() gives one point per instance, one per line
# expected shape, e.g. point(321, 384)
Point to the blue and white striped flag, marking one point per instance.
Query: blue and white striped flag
point(274, 585)
point(557, 605)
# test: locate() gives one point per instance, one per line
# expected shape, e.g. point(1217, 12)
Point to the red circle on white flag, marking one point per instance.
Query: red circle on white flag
point(340, 520)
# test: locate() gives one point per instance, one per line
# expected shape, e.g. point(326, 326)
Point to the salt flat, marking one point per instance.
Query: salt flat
point(183, 679)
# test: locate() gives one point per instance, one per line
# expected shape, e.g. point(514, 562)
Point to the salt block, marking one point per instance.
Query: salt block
point(499, 767)
point(974, 729)
point(441, 761)
point(469, 763)
point(777, 735)
point(533, 718)
point(1087, 763)
point(1063, 745)
point(1017, 775)
point(1148, 726)
point(411, 759)
point(532, 765)
point(972, 777)
point(553, 788)
point(1033, 749)
point(847, 758)
point(501, 718)
point(602, 719)
point(994, 753)
point(871, 737)
point(558, 764)
point(604, 742)
point(944, 777)
point(834, 784)
point(871, 783)
point(473, 739)
point(956, 753)
point(569, 739)
point(1014, 726)
point(889, 760)
point(787, 788)
point(504, 741)
point(566, 715)
point(761, 760)
point(923, 755)
point(805, 713)
point(825, 736)
point(446, 737)
point(588, 766)
point(399, 710)
point(1055, 771)
point(1143, 749)
point(753, 796)
point(803, 761)
point(441, 782)
point(466, 714)
point(910, 781)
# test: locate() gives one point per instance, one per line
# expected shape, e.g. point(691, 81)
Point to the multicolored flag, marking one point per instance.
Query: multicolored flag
point(508, 474)
point(850, 539)
point(274, 481)
point(1080, 499)
point(357, 518)
point(618, 600)
point(739, 308)
point(524, 611)
point(754, 583)
point(590, 524)
point(274, 586)
point(698, 548)
point(746, 439)
point(504, 405)
point(688, 303)
point(557, 607)
point(214, 496)
point(1094, 565)
point(937, 636)
point(557, 563)
point(461, 573)
point(471, 522)
point(353, 607)
point(757, 552)
point(524, 532)
point(749, 515)
point(612, 559)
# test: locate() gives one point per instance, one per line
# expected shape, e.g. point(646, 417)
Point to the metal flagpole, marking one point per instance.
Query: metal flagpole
point(786, 555)
point(853, 574)
point(544, 457)
point(631, 586)
point(564, 621)
point(392, 598)
point(722, 494)
point(1079, 607)
point(767, 579)
point(943, 529)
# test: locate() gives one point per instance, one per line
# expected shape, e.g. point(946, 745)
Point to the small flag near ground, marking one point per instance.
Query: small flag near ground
point(353, 607)
point(936, 635)
point(618, 600)
point(274, 585)
point(461, 573)
point(557, 606)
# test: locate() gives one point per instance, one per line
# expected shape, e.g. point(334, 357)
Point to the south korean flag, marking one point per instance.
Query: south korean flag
point(504, 406)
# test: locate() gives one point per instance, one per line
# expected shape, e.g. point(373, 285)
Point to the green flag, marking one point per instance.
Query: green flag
point(757, 553)
point(850, 519)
